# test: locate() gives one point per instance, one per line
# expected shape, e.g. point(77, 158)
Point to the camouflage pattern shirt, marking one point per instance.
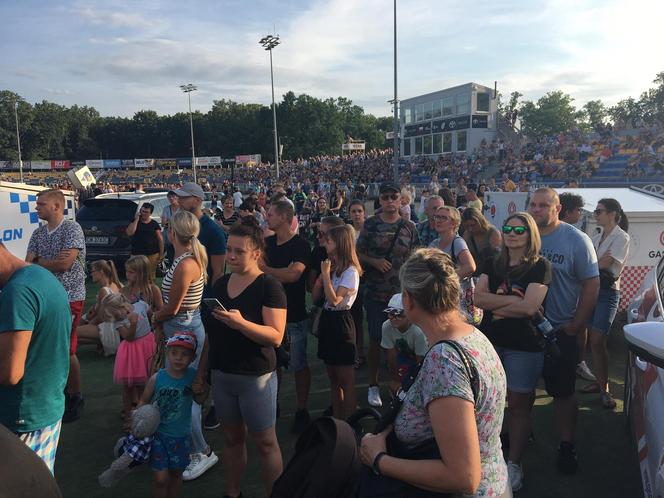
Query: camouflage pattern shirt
point(374, 241)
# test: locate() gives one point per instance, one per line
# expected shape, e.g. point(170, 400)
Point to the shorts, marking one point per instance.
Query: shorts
point(375, 318)
point(76, 308)
point(336, 338)
point(605, 310)
point(245, 399)
point(522, 368)
point(297, 339)
point(44, 442)
point(560, 373)
point(169, 453)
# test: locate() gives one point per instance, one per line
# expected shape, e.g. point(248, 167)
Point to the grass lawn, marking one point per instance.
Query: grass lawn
point(607, 463)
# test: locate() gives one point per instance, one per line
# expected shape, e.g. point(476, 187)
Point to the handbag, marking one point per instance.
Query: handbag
point(472, 313)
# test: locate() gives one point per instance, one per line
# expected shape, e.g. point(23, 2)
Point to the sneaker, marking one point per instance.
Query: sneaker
point(373, 396)
point(211, 420)
point(584, 372)
point(73, 409)
point(567, 460)
point(200, 462)
point(301, 421)
point(515, 473)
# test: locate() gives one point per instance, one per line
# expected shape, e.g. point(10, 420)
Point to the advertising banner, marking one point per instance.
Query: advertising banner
point(81, 177)
point(164, 163)
point(480, 121)
point(183, 162)
point(353, 146)
point(248, 159)
point(127, 163)
point(112, 163)
point(143, 163)
point(40, 165)
point(208, 161)
point(74, 164)
point(60, 164)
point(451, 124)
point(8, 165)
point(94, 163)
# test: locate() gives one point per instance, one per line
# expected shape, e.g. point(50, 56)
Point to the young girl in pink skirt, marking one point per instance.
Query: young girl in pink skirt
point(132, 361)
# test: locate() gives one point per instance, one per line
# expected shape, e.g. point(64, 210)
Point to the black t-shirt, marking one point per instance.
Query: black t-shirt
point(296, 250)
point(145, 241)
point(514, 333)
point(230, 350)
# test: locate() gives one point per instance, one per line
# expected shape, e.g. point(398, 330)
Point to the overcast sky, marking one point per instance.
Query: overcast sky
point(123, 56)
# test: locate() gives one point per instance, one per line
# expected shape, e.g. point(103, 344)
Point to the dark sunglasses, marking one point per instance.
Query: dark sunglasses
point(395, 313)
point(517, 230)
point(439, 217)
point(389, 197)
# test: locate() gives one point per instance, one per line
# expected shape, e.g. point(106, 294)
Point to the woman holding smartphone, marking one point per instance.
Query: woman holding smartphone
point(242, 338)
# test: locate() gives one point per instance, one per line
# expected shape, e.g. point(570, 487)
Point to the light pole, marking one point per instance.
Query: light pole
point(396, 127)
point(18, 142)
point(268, 43)
point(188, 88)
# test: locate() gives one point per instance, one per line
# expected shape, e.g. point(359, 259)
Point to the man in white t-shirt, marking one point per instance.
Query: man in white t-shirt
point(237, 198)
point(404, 342)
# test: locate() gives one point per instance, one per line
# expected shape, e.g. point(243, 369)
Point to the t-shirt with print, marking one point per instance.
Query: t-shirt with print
point(145, 241)
point(350, 279)
point(174, 397)
point(295, 250)
point(409, 345)
point(514, 333)
point(143, 328)
point(426, 233)
point(374, 241)
point(573, 260)
point(443, 374)
point(69, 235)
point(230, 350)
point(213, 238)
point(33, 299)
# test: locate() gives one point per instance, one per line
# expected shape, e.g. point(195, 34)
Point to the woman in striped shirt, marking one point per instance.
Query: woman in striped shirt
point(182, 291)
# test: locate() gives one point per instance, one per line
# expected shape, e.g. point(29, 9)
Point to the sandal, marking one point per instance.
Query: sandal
point(607, 400)
point(592, 388)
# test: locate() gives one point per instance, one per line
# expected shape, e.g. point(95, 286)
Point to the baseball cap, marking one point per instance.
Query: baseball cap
point(395, 304)
point(388, 187)
point(190, 189)
point(182, 339)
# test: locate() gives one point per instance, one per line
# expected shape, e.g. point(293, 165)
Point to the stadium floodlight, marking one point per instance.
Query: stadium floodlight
point(18, 142)
point(188, 88)
point(268, 43)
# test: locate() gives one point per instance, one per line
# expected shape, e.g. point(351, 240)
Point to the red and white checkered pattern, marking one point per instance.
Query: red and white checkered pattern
point(630, 282)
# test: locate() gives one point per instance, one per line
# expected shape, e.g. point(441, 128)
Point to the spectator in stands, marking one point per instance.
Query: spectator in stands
point(569, 304)
point(35, 326)
point(483, 239)
point(228, 216)
point(237, 198)
point(426, 229)
point(449, 199)
point(448, 219)
point(571, 207)
point(59, 246)
point(472, 201)
point(319, 213)
point(146, 238)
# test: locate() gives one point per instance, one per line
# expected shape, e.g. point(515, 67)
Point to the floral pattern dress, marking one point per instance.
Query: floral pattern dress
point(443, 374)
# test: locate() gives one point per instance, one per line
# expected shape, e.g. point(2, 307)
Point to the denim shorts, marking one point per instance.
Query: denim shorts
point(297, 339)
point(169, 453)
point(605, 310)
point(522, 368)
point(187, 321)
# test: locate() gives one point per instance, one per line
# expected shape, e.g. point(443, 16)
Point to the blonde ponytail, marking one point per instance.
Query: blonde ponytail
point(187, 227)
point(200, 255)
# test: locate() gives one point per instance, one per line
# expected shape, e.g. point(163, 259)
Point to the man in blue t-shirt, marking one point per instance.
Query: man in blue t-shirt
point(569, 305)
point(35, 322)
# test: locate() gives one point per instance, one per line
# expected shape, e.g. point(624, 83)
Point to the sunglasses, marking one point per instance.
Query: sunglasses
point(439, 217)
point(389, 197)
point(395, 313)
point(517, 230)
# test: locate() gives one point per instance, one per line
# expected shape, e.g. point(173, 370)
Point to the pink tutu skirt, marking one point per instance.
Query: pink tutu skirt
point(132, 361)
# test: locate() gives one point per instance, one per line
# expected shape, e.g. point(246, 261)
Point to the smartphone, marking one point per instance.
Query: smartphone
point(213, 303)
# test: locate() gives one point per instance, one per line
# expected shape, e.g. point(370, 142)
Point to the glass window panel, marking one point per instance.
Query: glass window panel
point(448, 106)
point(418, 145)
point(483, 100)
point(437, 108)
point(427, 144)
point(408, 113)
point(438, 143)
point(406, 147)
point(461, 141)
point(447, 142)
point(428, 110)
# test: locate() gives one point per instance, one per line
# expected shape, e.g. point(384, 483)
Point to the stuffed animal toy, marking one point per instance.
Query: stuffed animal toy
point(134, 449)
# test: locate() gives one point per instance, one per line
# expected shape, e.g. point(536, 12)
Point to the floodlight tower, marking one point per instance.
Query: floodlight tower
point(188, 88)
point(268, 43)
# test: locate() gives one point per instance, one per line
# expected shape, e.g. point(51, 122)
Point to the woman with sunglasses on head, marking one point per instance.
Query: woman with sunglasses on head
point(447, 220)
point(511, 290)
point(612, 247)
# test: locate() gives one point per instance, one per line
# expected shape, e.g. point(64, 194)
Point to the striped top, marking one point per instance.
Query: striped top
point(192, 298)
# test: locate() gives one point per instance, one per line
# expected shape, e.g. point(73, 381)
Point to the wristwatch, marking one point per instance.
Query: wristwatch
point(376, 462)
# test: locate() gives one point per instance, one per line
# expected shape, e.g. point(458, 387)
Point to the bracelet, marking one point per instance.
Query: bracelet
point(376, 462)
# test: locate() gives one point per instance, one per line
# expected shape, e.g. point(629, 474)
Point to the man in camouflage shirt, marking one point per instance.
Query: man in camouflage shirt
point(383, 246)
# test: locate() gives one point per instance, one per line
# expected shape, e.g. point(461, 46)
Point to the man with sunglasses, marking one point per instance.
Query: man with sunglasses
point(569, 305)
point(384, 244)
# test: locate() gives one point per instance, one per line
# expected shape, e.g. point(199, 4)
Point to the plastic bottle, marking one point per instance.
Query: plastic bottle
point(544, 326)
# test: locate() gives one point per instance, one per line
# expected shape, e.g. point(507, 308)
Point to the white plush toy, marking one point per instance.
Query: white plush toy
point(134, 449)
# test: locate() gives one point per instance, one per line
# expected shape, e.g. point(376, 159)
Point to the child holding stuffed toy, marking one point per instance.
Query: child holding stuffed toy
point(171, 389)
point(132, 360)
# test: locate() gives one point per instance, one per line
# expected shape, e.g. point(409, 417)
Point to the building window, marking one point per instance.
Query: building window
point(448, 106)
point(447, 142)
point(408, 113)
point(438, 143)
point(428, 110)
point(463, 103)
point(418, 145)
point(419, 112)
point(406, 147)
point(483, 100)
point(427, 144)
point(461, 141)
point(437, 108)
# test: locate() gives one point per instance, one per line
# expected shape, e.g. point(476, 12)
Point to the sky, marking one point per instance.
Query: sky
point(123, 56)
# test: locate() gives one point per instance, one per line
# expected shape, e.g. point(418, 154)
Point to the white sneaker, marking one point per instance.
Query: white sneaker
point(200, 462)
point(584, 372)
point(515, 474)
point(373, 396)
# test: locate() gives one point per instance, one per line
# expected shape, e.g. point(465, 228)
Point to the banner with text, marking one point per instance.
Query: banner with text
point(40, 165)
point(94, 163)
point(143, 163)
point(60, 164)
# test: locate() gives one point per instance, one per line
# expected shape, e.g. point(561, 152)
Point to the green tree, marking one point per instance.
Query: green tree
point(595, 113)
point(553, 113)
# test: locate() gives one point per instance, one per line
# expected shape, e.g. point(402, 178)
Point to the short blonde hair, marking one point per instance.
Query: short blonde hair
point(453, 213)
point(55, 195)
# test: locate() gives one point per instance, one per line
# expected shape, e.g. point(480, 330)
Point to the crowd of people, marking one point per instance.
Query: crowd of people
point(467, 316)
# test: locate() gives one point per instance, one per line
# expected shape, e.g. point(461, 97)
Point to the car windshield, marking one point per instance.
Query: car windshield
point(107, 211)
